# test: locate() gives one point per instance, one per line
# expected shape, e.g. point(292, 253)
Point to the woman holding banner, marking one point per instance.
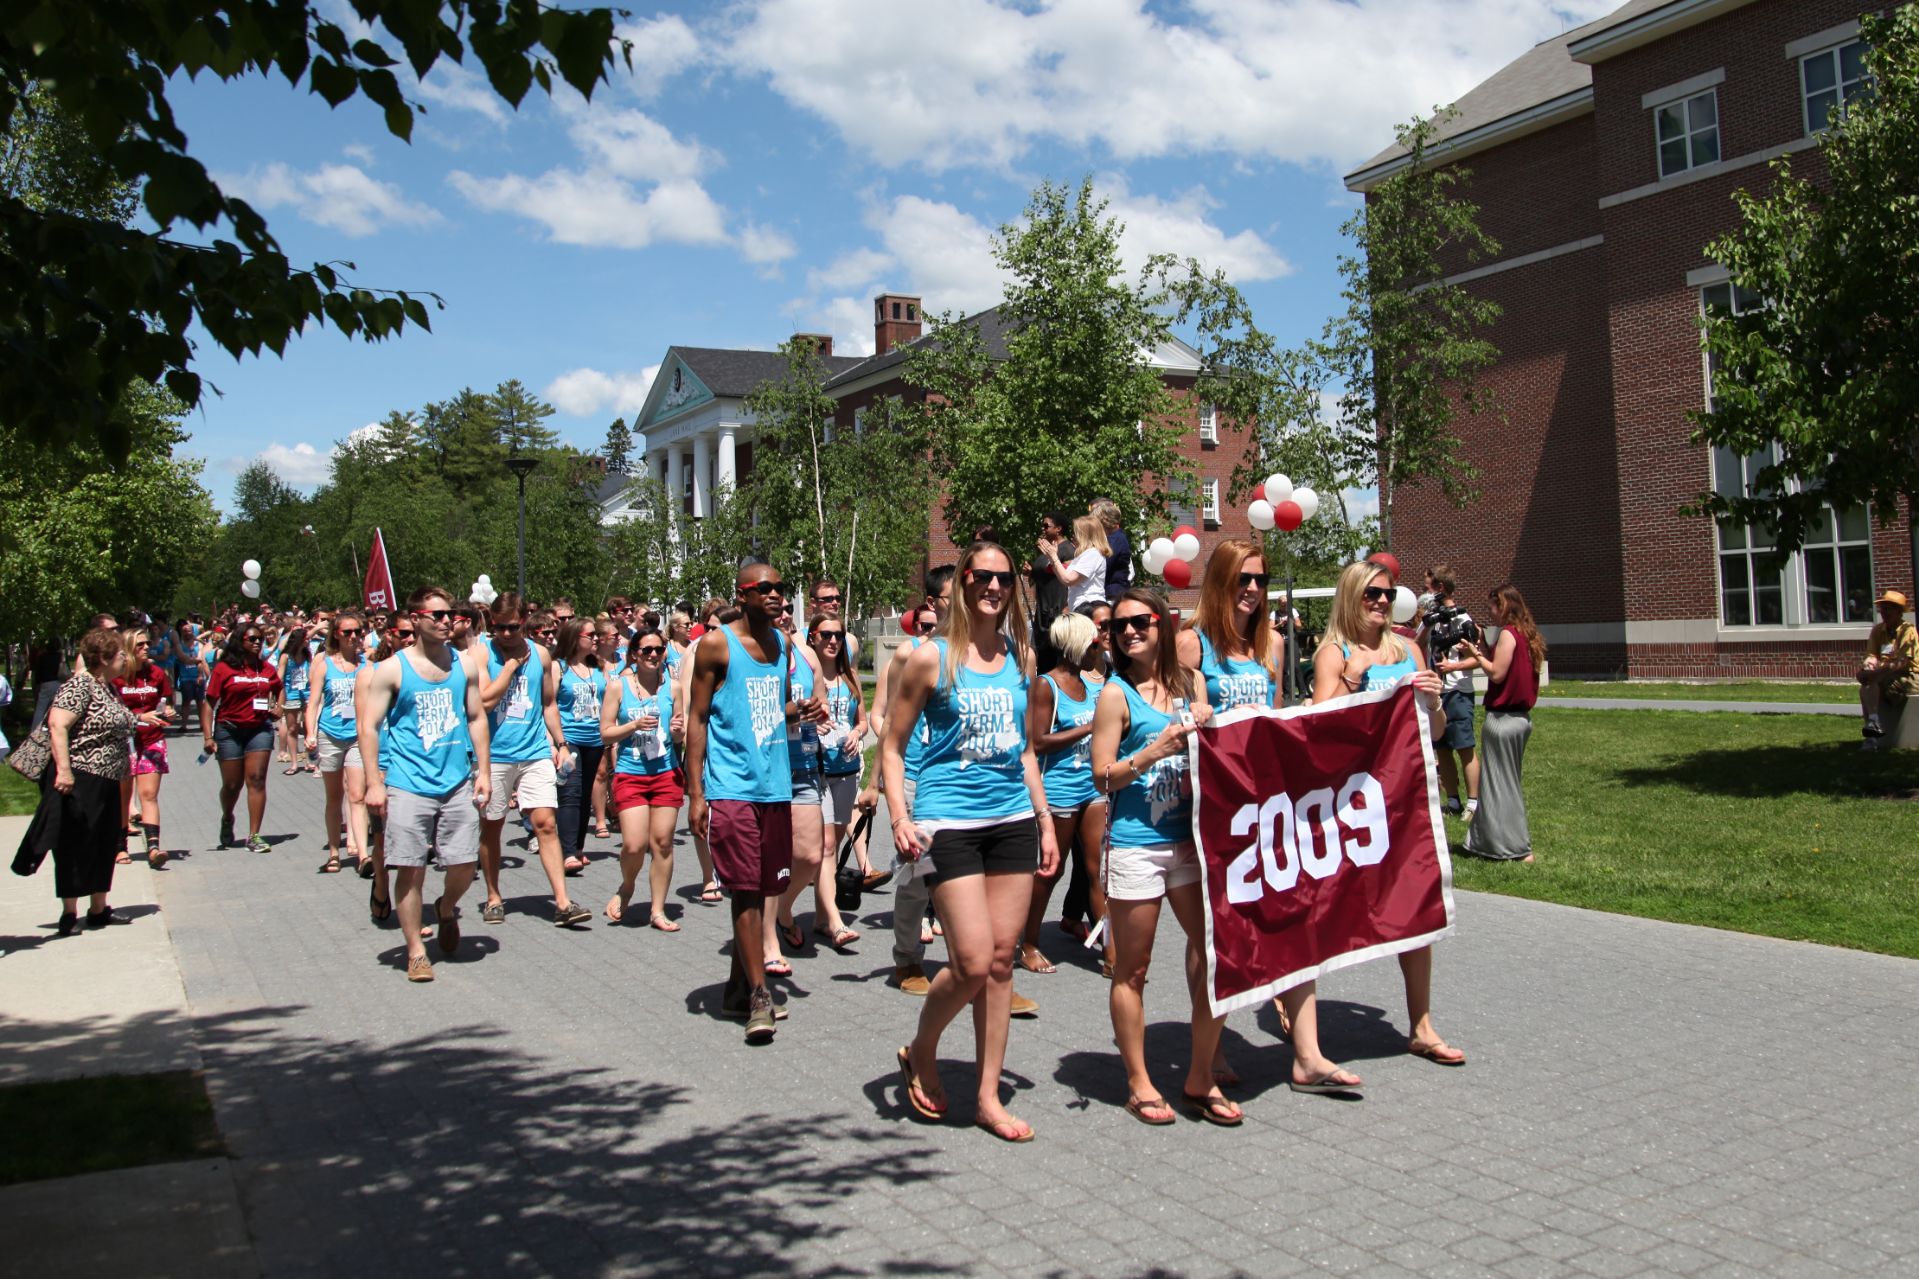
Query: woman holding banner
point(1144, 716)
point(1362, 653)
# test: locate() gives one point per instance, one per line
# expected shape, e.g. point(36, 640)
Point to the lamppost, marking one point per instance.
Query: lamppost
point(521, 468)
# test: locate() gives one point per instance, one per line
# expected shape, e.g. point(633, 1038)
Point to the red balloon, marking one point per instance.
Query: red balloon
point(1184, 529)
point(1178, 574)
point(1386, 560)
point(1288, 516)
point(1259, 492)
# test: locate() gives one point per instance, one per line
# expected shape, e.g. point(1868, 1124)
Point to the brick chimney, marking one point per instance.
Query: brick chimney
point(822, 342)
point(896, 321)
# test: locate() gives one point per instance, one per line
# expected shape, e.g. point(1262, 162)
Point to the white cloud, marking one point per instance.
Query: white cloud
point(765, 246)
point(299, 464)
point(455, 87)
point(663, 47)
point(359, 151)
point(585, 392)
point(632, 144)
point(597, 210)
point(1182, 226)
point(340, 196)
point(1307, 81)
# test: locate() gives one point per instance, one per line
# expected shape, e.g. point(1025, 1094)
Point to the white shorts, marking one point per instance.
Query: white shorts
point(336, 753)
point(1144, 874)
point(837, 794)
point(531, 783)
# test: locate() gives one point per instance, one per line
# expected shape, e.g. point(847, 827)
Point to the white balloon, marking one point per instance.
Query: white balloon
point(250, 588)
point(1163, 548)
point(1260, 515)
point(1154, 560)
point(1278, 488)
point(1186, 547)
point(252, 570)
point(477, 598)
point(485, 580)
point(1405, 604)
point(1308, 502)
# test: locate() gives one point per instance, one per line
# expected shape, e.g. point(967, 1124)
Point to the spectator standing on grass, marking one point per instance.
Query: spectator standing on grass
point(1499, 831)
point(1456, 698)
point(1119, 548)
point(1049, 592)
point(1891, 670)
point(1085, 575)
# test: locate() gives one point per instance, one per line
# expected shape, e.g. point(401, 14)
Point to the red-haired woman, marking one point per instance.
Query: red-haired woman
point(1499, 831)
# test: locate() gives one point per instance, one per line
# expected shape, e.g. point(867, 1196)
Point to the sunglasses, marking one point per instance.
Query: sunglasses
point(437, 614)
point(1140, 622)
point(346, 632)
point(1254, 579)
point(990, 576)
point(140, 644)
point(652, 650)
point(506, 628)
point(763, 588)
point(564, 617)
point(548, 630)
point(253, 639)
point(1374, 594)
point(826, 599)
point(786, 610)
point(403, 634)
point(823, 636)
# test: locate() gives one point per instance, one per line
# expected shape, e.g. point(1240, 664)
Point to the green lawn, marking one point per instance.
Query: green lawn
point(1776, 825)
point(17, 794)
point(71, 1126)
point(1741, 691)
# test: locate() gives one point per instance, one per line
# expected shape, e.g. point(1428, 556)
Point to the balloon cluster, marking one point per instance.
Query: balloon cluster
point(1172, 557)
point(1277, 504)
point(483, 593)
point(250, 582)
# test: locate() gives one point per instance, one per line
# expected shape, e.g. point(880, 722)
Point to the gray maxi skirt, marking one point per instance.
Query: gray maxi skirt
point(1498, 831)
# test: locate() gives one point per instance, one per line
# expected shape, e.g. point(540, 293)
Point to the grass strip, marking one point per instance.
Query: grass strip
point(1739, 691)
point(63, 1127)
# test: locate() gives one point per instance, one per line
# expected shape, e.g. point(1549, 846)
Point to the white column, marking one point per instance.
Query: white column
point(728, 465)
point(675, 476)
point(654, 460)
point(702, 477)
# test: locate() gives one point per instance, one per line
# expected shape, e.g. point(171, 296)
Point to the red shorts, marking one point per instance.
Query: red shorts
point(661, 790)
point(752, 845)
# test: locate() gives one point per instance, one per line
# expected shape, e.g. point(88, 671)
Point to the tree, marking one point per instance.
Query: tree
point(618, 448)
point(520, 417)
point(1822, 366)
point(1075, 410)
point(1408, 349)
point(91, 305)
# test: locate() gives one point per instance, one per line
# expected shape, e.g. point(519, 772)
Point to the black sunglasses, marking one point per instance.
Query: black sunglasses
point(652, 650)
point(253, 639)
point(437, 614)
point(1254, 579)
point(403, 634)
point(829, 635)
point(1136, 621)
point(345, 631)
point(763, 588)
point(1376, 593)
point(984, 576)
point(506, 628)
point(826, 599)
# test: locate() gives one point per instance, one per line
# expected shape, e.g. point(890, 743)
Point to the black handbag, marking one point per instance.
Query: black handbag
point(849, 881)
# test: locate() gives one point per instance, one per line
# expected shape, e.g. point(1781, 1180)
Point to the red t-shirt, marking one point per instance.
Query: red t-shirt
point(143, 692)
point(240, 696)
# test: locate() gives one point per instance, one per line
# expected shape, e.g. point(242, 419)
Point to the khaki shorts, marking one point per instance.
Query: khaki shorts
point(415, 823)
point(337, 753)
point(531, 783)
point(1144, 874)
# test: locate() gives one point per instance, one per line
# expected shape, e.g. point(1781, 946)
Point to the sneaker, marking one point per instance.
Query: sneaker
point(493, 913)
point(911, 979)
point(257, 845)
point(1472, 806)
point(226, 832)
point(419, 968)
point(1872, 726)
point(1453, 806)
point(1023, 1007)
point(568, 915)
point(741, 1011)
point(761, 1019)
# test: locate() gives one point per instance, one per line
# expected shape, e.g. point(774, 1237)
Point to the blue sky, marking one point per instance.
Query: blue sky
point(770, 165)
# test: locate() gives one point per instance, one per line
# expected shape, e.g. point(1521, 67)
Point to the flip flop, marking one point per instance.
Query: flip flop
point(365, 866)
point(1043, 966)
point(377, 909)
point(916, 1094)
point(1215, 1110)
point(839, 939)
point(778, 968)
point(792, 936)
point(1138, 1106)
point(288, 771)
point(711, 894)
point(331, 866)
point(664, 924)
point(1022, 1132)
point(1327, 1085)
point(1433, 1053)
point(122, 858)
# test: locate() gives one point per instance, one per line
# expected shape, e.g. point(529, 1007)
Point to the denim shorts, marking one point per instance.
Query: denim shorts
point(236, 741)
point(1458, 704)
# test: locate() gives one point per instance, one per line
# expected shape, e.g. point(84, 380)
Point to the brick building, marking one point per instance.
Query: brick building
point(699, 432)
point(1603, 161)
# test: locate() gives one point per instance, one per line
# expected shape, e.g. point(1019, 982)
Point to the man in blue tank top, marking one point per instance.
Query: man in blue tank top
point(739, 780)
point(438, 773)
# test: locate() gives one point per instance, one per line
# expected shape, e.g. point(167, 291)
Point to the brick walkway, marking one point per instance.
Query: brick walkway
point(1641, 1098)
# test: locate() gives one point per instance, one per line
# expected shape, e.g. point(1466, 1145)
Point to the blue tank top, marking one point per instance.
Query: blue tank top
point(835, 759)
point(294, 683)
point(642, 753)
point(915, 754)
point(975, 736)
point(1068, 774)
point(1381, 675)
point(580, 706)
point(426, 749)
point(1157, 807)
point(518, 721)
point(802, 739)
point(673, 659)
point(1234, 681)
point(746, 756)
point(336, 700)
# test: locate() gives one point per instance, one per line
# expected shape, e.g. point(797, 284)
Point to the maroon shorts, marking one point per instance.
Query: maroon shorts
point(752, 845)
point(661, 790)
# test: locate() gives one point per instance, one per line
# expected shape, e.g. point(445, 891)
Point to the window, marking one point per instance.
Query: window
point(1688, 133)
point(1828, 582)
point(1209, 501)
point(1181, 507)
point(1830, 79)
point(859, 421)
point(1208, 424)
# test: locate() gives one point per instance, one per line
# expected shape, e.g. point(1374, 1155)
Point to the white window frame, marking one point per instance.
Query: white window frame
point(1795, 582)
point(1688, 133)
point(859, 421)
point(1208, 424)
point(1835, 55)
point(1209, 501)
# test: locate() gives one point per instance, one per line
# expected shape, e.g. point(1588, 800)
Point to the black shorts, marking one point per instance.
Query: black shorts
point(1009, 846)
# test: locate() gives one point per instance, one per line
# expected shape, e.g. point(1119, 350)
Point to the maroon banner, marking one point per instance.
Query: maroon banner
point(1321, 843)
point(378, 588)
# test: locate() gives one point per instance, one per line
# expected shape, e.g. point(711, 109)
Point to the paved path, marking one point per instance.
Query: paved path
point(1643, 1098)
point(1676, 704)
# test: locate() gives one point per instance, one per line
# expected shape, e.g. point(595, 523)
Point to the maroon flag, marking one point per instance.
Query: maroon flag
point(379, 578)
point(1320, 841)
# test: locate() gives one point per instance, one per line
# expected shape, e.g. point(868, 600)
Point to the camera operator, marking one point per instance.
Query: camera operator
point(1447, 633)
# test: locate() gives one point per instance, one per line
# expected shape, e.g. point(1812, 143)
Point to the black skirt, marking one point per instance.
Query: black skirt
point(81, 830)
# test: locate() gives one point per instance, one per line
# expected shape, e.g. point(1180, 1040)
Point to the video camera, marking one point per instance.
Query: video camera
point(1448, 626)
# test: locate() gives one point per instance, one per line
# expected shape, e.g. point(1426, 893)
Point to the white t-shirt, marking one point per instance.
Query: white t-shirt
point(1091, 566)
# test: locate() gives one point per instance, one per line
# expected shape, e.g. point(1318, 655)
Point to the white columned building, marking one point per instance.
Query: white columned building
point(702, 475)
point(728, 473)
